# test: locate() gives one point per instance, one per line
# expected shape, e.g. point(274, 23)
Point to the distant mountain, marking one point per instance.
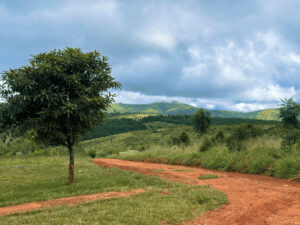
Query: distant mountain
point(165, 108)
point(175, 108)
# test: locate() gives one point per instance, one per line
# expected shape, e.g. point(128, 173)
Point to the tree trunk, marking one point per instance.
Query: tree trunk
point(71, 165)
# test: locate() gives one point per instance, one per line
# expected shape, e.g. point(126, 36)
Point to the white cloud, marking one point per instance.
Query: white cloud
point(294, 58)
point(248, 107)
point(271, 93)
point(251, 71)
point(159, 38)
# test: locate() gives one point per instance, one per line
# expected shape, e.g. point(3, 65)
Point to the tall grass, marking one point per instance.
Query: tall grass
point(261, 155)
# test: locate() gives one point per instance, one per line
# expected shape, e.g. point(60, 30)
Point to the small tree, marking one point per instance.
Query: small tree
point(290, 138)
point(184, 139)
point(289, 111)
point(220, 136)
point(201, 120)
point(61, 95)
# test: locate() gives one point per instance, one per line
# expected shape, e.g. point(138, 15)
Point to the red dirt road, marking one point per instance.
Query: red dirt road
point(66, 201)
point(254, 199)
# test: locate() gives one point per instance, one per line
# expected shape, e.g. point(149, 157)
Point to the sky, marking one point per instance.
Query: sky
point(232, 55)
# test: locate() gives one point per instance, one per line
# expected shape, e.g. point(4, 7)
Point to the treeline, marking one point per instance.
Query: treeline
point(231, 121)
point(188, 120)
point(115, 125)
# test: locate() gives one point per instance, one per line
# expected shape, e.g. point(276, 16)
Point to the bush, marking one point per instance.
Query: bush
point(92, 153)
point(291, 136)
point(233, 144)
point(220, 136)
point(245, 131)
point(242, 133)
point(173, 140)
point(287, 167)
point(218, 158)
point(184, 139)
point(206, 145)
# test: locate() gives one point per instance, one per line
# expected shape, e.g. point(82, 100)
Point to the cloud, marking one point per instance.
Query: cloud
point(241, 56)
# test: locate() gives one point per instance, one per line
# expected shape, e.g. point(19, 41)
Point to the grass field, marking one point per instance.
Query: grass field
point(42, 178)
point(158, 134)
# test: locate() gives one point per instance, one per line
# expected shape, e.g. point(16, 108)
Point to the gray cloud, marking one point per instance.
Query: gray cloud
point(218, 54)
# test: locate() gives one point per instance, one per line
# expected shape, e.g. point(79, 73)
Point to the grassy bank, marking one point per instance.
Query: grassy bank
point(41, 178)
point(262, 155)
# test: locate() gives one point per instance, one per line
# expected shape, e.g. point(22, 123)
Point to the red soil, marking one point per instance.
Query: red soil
point(66, 201)
point(254, 199)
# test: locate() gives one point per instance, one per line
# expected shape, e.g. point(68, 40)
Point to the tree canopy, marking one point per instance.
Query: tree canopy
point(289, 111)
point(201, 121)
point(60, 95)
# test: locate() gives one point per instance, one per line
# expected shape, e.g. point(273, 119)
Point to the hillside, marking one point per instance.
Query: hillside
point(156, 108)
point(175, 108)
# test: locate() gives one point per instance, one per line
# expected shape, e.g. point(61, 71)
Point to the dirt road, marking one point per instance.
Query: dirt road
point(66, 201)
point(254, 199)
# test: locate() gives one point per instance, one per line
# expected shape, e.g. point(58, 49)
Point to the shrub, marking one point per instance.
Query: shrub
point(245, 131)
point(173, 140)
point(184, 139)
point(287, 167)
point(242, 133)
point(92, 153)
point(218, 158)
point(206, 145)
point(291, 136)
point(220, 136)
point(233, 144)
point(142, 148)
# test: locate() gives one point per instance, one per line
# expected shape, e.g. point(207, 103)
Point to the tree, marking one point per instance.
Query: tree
point(289, 111)
point(201, 121)
point(61, 95)
point(184, 139)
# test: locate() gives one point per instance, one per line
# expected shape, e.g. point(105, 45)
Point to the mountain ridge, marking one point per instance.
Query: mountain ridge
point(175, 108)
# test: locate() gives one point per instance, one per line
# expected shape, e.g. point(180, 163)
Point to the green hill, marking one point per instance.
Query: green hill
point(175, 108)
point(164, 108)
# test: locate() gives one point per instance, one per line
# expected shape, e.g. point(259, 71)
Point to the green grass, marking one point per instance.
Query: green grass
point(42, 178)
point(183, 170)
point(208, 176)
point(158, 170)
point(136, 140)
point(181, 203)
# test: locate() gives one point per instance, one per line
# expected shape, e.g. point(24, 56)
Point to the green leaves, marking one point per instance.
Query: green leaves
point(201, 121)
point(61, 95)
point(289, 111)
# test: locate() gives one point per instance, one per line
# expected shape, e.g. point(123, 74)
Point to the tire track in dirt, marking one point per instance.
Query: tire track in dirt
point(254, 199)
point(66, 201)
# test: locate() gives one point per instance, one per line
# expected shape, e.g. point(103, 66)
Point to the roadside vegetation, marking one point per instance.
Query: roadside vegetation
point(256, 148)
point(261, 151)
